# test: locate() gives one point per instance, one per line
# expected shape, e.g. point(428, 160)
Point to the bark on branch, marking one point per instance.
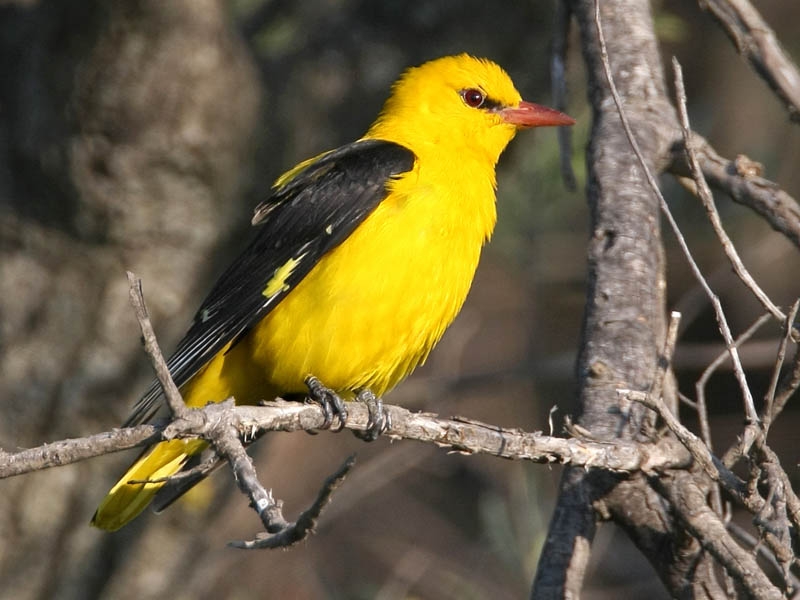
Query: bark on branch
point(756, 42)
point(457, 434)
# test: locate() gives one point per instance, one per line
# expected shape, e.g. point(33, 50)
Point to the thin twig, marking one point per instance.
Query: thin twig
point(756, 41)
point(769, 396)
point(704, 193)
point(787, 386)
point(171, 392)
point(791, 582)
point(702, 408)
point(662, 368)
point(304, 525)
point(708, 202)
point(721, 320)
point(66, 452)
point(744, 184)
point(665, 360)
point(702, 382)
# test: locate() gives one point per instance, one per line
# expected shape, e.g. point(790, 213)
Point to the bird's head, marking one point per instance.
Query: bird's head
point(460, 102)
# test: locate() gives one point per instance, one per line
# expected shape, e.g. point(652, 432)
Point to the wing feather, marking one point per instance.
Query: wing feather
point(312, 211)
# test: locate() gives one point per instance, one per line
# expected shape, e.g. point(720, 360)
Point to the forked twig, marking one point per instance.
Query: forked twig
point(291, 533)
point(224, 436)
point(769, 398)
point(719, 313)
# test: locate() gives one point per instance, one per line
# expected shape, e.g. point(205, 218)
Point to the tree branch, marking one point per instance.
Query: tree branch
point(741, 180)
point(65, 452)
point(704, 524)
point(171, 392)
point(458, 434)
point(756, 41)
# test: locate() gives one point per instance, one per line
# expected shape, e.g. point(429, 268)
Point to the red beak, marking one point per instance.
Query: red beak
point(528, 114)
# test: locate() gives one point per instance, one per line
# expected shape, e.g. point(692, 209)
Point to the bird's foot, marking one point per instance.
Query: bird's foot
point(331, 403)
point(379, 420)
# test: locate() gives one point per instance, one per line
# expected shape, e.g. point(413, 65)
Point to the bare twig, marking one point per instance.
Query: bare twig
point(791, 582)
point(689, 501)
point(744, 185)
point(458, 434)
point(700, 391)
point(295, 532)
point(171, 392)
point(65, 452)
point(756, 41)
point(702, 382)
point(749, 405)
point(663, 367)
point(707, 199)
point(769, 396)
point(666, 354)
point(787, 386)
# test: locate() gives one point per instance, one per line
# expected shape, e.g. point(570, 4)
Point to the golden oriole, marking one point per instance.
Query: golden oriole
point(362, 257)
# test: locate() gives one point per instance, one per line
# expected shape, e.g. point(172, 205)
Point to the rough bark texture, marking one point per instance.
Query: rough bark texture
point(124, 121)
point(625, 317)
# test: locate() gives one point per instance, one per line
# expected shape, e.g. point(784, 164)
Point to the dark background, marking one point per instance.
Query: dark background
point(139, 135)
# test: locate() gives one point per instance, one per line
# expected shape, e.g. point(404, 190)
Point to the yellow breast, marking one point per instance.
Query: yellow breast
point(373, 308)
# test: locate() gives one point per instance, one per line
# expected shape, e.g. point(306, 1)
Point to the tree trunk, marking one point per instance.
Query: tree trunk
point(140, 173)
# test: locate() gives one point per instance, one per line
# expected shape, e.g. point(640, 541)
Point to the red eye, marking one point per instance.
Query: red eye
point(473, 98)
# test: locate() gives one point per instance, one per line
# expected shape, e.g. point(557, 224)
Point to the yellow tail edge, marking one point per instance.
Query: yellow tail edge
point(126, 500)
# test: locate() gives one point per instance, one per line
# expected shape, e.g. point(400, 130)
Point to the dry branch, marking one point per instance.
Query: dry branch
point(226, 426)
point(756, 41)
point(457, 435)
point(65, 452)
point(172, 395)
point(691, 508)
point(689, 501)
point(743, 183)
point(707, 199)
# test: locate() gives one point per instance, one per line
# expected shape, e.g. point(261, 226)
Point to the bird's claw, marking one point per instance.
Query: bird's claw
point(331, 403)
point(379, 420)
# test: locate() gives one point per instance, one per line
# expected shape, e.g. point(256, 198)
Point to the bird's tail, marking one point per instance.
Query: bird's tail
point(126, 500)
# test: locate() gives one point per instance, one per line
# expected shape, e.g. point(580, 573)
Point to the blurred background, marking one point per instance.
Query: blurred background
point(139, 135)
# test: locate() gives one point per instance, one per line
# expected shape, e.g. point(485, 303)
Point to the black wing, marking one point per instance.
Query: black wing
point(312, 213)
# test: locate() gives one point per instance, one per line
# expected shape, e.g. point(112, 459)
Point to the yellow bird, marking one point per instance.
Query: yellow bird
point(362, 257)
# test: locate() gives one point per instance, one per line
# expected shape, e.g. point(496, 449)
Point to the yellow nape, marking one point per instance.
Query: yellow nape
point(426, 113)
point(126, 500)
